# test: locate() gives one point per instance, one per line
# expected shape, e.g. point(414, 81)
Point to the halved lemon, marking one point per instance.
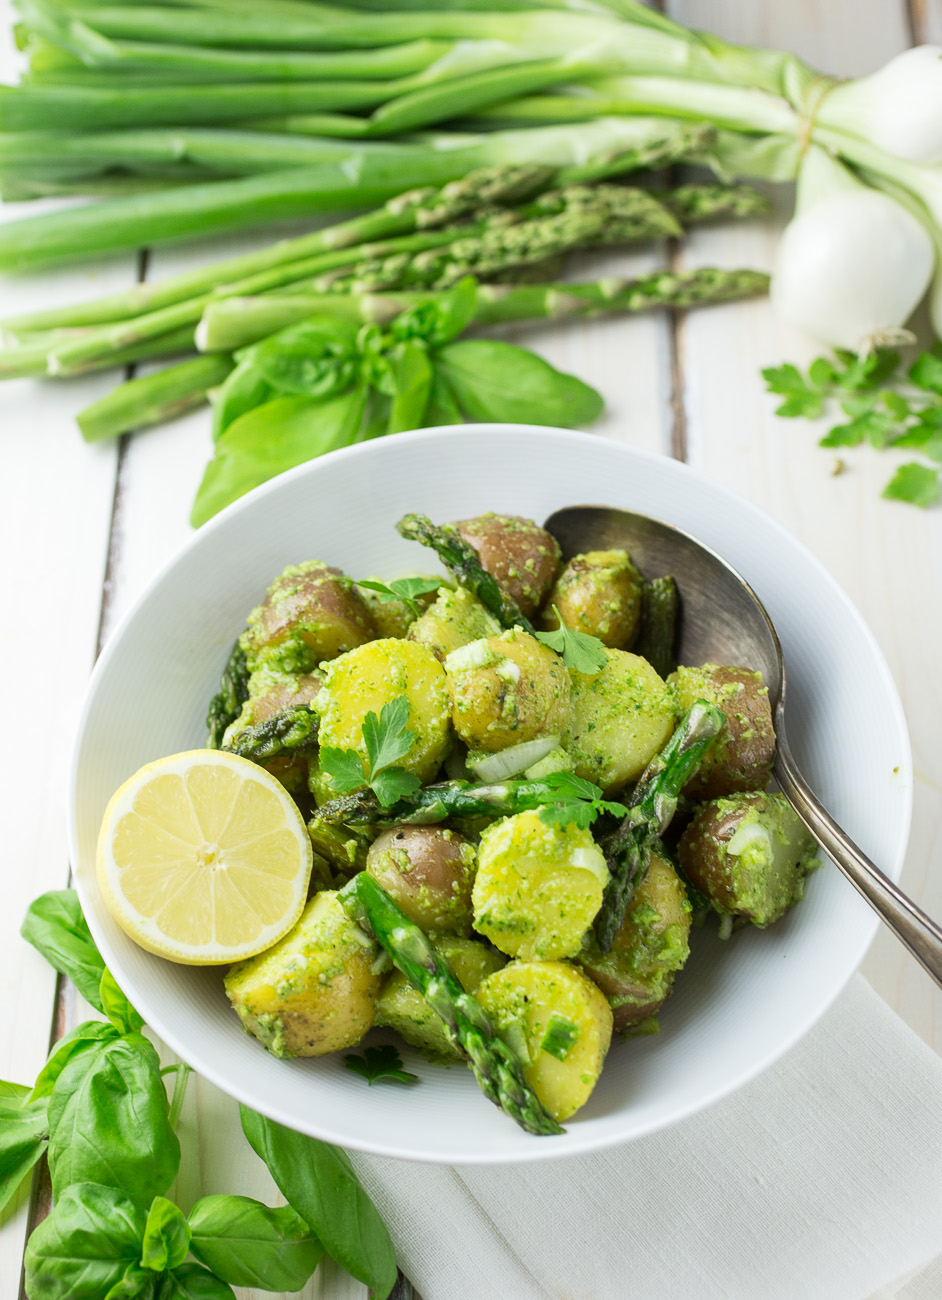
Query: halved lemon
point(204, 858)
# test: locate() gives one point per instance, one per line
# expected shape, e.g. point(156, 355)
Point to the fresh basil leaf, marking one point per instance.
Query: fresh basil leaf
point(320, 1183)
point(411, 373)
point(343, 766)
point(86, 1037)
point(439, 319)
point(24, 1132)
point(250, 1244)
point(193, 1282)
point(915, 483)
point(393, 783)
point(317, 357)
point(54, 924)
point(386, 737)
point(166, 1236)
point(271, 439)
point(137, 1284)
point(242, 390)
point(442, 407)
point(116, 1006)
point(85, 1245)
point(109, 1122)
point(13, 1094)
point(495, 381)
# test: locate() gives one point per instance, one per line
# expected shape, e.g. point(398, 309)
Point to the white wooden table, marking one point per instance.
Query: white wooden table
point(83, 529)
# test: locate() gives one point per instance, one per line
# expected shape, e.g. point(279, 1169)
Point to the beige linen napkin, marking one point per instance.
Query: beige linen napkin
point(821, 1180)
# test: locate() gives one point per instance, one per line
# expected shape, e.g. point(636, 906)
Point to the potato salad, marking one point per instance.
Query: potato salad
point(518, 805)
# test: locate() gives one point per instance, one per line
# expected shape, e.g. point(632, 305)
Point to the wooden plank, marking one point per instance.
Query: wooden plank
point(926, 18)
point(883, 553)
point(55, 510)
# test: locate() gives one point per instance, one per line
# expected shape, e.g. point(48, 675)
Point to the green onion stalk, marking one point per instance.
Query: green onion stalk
point(234, 116)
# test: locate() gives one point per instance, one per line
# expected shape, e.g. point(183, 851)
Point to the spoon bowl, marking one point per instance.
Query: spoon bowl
point(722, 620)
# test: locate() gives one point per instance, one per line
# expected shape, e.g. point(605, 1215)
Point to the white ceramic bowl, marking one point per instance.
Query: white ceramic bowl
point(738, 1005)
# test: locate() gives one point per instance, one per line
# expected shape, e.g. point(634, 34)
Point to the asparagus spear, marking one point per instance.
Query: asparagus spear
point(233, 323)
point(290, 731)
point(652, 805)
point(660, 605)
point(226, 704)
point(469, 1030)
point(575, 217)
point(436, 803)
point(152, 399)
point(461, 561)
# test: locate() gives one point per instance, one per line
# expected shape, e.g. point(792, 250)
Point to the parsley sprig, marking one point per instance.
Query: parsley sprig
point(885, 405)
point(379, 1063)
point(387, 739)
point(579, 802)
point(404, 589)
point(581, 652)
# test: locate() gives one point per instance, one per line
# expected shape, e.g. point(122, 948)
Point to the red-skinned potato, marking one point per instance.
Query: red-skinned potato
point(740, 759)
point(310, 613)
point(650, 947)
point(429, 871)
point(598, 593)
point(517, 553)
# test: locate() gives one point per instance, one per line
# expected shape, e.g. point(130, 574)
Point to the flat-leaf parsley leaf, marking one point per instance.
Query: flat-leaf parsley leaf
point(581, 652)
point(579, 802)
point(386, 739)
point(404, 589)
point(379, 1063)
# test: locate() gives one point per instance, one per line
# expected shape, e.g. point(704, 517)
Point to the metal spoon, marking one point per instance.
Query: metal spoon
point(723, 621)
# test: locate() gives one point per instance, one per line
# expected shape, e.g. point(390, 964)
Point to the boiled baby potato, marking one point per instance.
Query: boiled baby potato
point(363, 680)
point(506, 690)
point(538, 886)
point(650, 947)
point(429, 871)
point(271, 691)
point(618, 719)
point(598, 593)
point(403, 1008)
point(519, 555)
point(749, 854)
point(310, 612)
point(558, 1024)
point(314, 991)
point(741, 756)
point(455, 618)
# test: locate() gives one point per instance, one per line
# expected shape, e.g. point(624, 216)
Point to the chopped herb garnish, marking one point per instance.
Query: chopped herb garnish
point(581, 652)
point(387, 739)
point(379, 1063)
point(579, 803)
point(404, 589)
point(885, 406)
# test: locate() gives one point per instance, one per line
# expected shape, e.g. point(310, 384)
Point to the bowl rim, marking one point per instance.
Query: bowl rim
point(537, 1150)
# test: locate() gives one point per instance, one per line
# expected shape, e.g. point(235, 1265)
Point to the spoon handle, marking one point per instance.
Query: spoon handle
point(911, 926)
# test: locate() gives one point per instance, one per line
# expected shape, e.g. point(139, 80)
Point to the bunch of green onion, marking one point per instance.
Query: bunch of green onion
point(227, 114)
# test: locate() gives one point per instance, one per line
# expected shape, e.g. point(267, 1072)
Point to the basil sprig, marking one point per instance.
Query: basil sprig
point(100, 1109)
point(325, 383)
